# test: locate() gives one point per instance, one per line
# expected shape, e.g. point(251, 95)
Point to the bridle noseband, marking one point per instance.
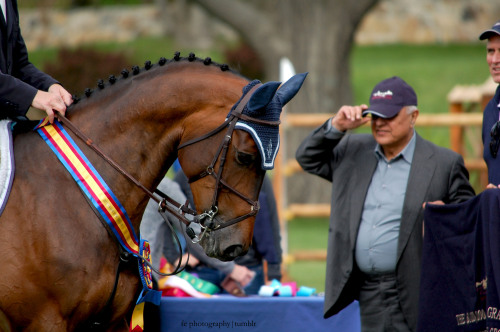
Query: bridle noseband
point(207, 218)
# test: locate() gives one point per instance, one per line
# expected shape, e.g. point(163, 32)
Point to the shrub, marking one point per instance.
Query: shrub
point(81, 68)
point(245, 60)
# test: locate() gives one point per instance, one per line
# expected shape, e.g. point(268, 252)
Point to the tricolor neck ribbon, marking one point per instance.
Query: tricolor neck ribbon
point(91, 183)
point(108, 206)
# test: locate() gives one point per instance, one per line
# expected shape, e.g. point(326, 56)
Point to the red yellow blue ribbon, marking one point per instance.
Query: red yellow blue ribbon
point(137, 321)
point(108, 206)
point(91, 183)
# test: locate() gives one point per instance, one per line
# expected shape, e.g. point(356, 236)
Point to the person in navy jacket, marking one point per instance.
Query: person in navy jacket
point(491, 114)
point(21, 84)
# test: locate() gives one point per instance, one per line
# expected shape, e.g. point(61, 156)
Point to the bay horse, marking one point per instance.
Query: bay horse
point(60, 266)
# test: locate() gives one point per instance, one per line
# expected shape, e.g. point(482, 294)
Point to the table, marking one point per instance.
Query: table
point(254, 314)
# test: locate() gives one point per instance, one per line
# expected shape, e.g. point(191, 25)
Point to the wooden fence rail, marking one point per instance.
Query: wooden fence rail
point(461, 99)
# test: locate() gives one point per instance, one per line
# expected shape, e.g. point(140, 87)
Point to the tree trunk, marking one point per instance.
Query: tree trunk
point(317, 36)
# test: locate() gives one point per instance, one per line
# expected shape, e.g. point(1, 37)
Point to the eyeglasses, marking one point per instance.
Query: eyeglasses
point(495, 139)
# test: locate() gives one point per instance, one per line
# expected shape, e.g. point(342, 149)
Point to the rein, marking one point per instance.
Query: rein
point(180, 210)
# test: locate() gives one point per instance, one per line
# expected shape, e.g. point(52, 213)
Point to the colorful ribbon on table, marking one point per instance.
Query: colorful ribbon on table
point(184, 284)
point(285, 290)
point(199, 284)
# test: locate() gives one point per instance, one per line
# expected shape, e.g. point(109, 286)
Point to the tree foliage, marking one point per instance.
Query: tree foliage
point(81, 68)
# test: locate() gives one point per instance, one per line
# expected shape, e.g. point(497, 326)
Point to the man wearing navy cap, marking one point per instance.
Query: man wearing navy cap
point(379, 185)
point(491, 115)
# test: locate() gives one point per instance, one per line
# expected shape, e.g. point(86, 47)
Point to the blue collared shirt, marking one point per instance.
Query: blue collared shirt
point(377, 240)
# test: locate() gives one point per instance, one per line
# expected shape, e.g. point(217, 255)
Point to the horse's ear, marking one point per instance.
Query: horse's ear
point(262, 96)
point(290, 88)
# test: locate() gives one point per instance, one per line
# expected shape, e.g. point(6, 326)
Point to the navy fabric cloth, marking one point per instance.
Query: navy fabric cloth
point(254, 314)
point(461, 266)
point(490, 117)
point(266, 137)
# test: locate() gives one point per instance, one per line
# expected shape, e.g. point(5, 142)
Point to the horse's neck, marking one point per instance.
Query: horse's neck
point(120, 129)
point(139, 124)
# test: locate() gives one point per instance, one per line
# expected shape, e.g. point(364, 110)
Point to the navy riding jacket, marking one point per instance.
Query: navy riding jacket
point(19, 78)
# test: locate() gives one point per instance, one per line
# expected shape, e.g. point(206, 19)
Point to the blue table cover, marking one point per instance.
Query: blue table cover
point(253, 313)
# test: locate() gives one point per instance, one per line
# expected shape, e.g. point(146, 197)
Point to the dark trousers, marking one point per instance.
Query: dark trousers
point(379, 305)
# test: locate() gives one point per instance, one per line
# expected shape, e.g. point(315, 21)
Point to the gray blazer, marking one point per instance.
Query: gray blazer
point(436, 174)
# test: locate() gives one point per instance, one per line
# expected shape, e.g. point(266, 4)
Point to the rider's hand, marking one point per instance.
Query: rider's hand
point(56, 99)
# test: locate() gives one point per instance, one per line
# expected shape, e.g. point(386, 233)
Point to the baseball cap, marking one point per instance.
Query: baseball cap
point(389, 96)
point(495, 29)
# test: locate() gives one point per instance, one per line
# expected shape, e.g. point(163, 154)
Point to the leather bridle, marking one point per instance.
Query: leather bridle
point(205, 219)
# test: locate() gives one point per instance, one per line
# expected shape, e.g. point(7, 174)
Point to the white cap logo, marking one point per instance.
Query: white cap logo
point(383, 95)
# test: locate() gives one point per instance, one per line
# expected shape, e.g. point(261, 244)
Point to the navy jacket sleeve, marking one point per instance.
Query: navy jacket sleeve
point(267, 236)
point(19, 78)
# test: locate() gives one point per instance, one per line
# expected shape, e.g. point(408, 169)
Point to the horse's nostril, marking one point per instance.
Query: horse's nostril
point(233, 251)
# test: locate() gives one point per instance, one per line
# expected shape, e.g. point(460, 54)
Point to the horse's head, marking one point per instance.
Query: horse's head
point(226, 166)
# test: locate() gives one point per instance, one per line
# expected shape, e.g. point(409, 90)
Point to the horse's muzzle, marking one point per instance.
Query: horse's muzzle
point(218, 245)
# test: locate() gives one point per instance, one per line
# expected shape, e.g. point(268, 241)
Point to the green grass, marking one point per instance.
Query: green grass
point(310, 274)
point(307, 234)
point(64, 4)
point(138, 50)
point(433, 70)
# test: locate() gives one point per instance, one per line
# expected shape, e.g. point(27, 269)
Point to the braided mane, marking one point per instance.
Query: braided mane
point(148, 65)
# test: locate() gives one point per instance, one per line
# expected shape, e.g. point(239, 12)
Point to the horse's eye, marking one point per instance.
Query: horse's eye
point(244, 158)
